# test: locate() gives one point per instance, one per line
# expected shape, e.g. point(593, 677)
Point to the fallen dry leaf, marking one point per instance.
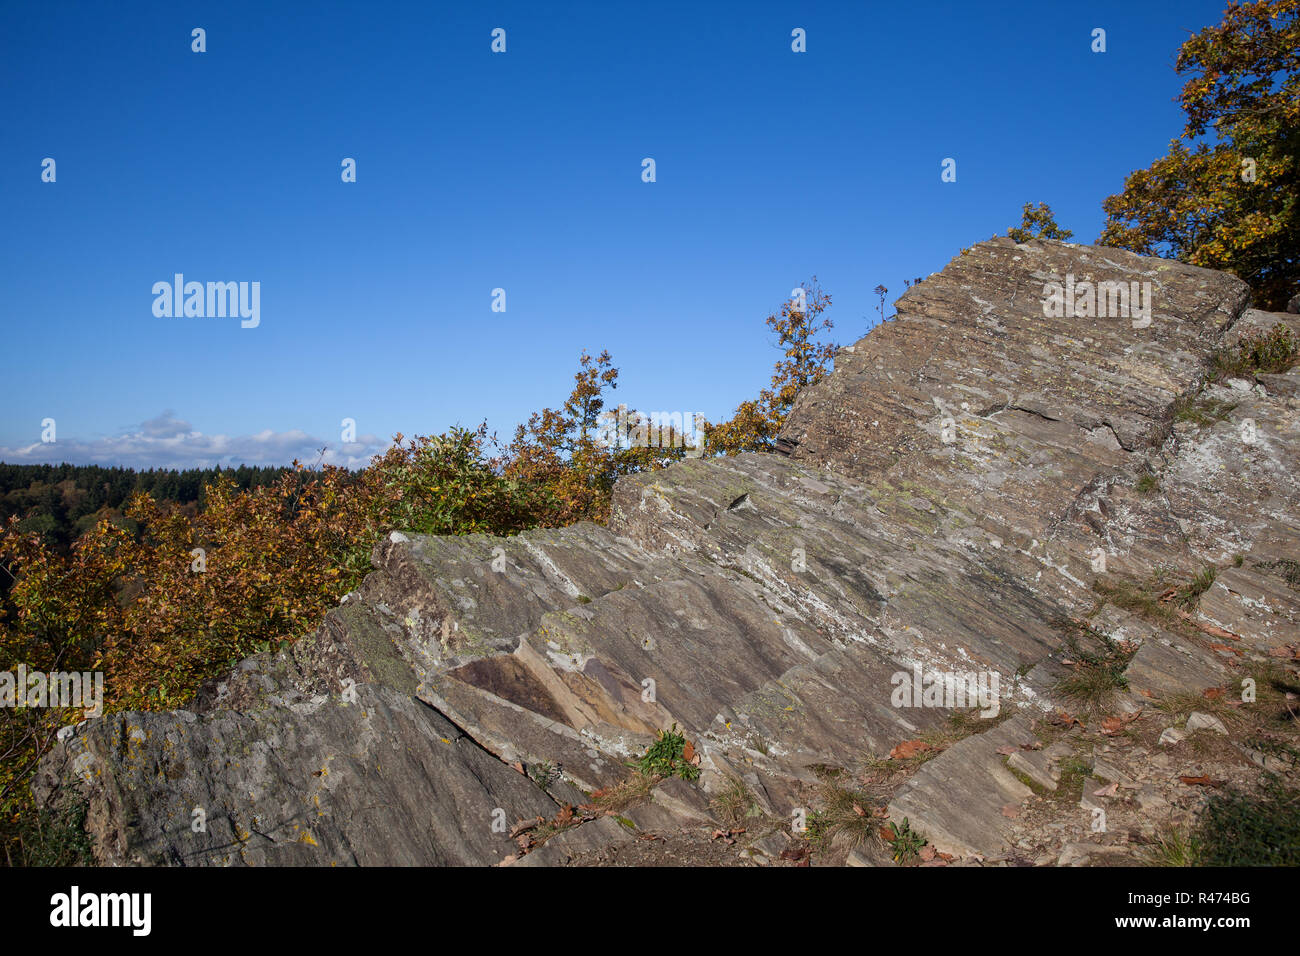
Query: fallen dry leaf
point(1213, 631)
point(1010, 811)
point(1113, 725)
point(909, 748)
point(1106, 791)
point(1199, 781)
point(927, 853)
point(1212, 693)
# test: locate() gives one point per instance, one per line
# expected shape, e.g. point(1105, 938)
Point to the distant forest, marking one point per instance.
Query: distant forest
point(59, 502)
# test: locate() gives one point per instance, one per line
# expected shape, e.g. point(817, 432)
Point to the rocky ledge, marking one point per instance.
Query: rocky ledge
point(954, 499)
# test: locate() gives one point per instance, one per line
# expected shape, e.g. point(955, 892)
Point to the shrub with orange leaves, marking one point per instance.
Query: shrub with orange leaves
point(756, 424)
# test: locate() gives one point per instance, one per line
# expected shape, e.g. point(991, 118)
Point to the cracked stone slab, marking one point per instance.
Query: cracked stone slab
point(955, 800)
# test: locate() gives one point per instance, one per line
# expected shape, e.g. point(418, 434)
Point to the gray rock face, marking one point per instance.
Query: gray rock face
point(292, 777)
point(948, 495)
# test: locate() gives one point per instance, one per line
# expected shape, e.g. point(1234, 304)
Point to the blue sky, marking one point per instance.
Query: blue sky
point(518, 170)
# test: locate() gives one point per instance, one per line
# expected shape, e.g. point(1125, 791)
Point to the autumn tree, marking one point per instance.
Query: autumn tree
point(575, 454)
point(559, 449)
point(1037, 222)
point(1227, 195)
point(756, 423)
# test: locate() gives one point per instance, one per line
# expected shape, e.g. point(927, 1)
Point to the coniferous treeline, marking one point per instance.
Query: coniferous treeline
point(60, 502)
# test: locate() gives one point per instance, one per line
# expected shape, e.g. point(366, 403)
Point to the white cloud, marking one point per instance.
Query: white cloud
point(169, 442)
point(166, 425)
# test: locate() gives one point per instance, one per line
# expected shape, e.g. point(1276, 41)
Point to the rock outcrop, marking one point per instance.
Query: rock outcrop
point(944, 501)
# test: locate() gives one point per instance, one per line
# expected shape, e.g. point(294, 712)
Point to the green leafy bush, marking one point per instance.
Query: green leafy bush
point(668, 756)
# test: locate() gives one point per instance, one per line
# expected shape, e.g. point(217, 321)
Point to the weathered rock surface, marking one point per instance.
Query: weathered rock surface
point(947, 498)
